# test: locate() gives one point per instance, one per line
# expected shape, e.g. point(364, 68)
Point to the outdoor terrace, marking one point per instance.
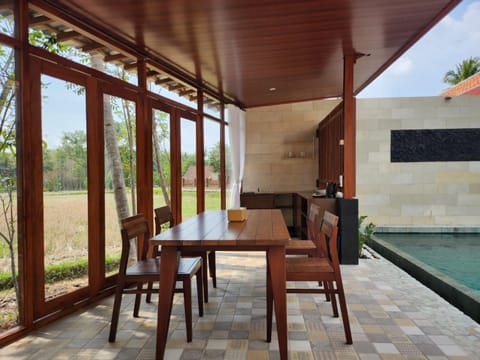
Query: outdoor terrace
point(392, 316)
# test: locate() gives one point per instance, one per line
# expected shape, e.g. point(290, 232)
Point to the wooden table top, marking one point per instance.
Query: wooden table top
point(263, 227)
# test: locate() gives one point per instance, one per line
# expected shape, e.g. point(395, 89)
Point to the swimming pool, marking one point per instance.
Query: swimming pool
point(449, 264)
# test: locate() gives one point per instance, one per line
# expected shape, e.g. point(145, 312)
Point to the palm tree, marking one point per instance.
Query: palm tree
point(462, 71)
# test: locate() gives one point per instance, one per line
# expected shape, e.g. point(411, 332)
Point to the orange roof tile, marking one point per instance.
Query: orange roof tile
point(470, 86)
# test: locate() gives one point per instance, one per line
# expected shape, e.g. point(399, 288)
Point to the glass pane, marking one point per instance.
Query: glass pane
point(7, 19)
point(8, 191)
point(228, 167)
point(212, 165)
point(65, 191)
point(120, 173)
point(189, 168)
point(161, 158)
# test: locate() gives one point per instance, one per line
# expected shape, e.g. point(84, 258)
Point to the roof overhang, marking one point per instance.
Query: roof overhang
point(262, 52)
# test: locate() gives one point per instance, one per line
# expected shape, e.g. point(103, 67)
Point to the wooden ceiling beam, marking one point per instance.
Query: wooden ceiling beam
point(152, 73)
point(131, 66)
point(176, 87)
point(67, 35)
point(39, 20)
point(186, 92)
point(164, 81)
point(114, 57)
point(92, 47)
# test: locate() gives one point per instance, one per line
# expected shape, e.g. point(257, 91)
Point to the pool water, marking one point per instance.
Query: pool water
point(456, 255)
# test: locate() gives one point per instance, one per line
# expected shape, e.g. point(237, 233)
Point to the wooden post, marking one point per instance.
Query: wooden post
point(349, 125)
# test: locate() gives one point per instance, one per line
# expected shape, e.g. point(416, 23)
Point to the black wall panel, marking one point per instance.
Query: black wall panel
point(347, 211)
point(435, 145)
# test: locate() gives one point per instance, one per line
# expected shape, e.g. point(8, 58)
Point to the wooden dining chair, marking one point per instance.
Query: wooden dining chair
point(164, 218)
point(324, 269)
point(306, 246)
point(147, 270)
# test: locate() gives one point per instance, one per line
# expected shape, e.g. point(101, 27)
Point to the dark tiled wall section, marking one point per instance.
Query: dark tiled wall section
point(435, 145)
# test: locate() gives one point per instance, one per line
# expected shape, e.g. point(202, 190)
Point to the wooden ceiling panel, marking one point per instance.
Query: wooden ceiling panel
point(245, 47)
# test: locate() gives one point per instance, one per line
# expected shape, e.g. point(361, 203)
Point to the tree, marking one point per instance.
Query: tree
point(187, 161)
point(462, 71)
point(213, 157)
point(72, 160)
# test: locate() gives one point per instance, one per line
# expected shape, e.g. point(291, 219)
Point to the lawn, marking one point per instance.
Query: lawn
point(66, 228)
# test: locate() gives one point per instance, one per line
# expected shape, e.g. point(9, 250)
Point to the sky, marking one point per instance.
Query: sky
point(420, 70)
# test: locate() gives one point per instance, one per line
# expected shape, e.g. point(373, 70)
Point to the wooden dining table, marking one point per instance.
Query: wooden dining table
point(263, 230)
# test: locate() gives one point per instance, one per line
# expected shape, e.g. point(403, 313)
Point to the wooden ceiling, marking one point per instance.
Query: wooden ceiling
point(244, 48)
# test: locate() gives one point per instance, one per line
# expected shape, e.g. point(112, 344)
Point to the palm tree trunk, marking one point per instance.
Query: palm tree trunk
point(113, 155)
point(131, 156)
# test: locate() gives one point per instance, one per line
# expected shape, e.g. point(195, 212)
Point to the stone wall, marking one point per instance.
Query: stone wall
point(417, 194)
point(280, 146)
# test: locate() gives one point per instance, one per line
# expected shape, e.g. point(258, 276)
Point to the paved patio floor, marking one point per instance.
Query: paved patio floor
point(392, 317)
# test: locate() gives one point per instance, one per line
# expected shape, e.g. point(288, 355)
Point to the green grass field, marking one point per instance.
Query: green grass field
point(66, 228)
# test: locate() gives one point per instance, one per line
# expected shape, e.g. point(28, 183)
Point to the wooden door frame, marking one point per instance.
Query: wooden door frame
point(35, 220)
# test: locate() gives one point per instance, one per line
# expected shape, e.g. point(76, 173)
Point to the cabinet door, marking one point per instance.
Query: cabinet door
point(257, 201)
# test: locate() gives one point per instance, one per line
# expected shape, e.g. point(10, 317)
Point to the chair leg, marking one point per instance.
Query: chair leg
point(212, 267)
point(205, 276)
point(343, 309)
point(327, 295)
point(187, 302)
point(115, 313)
point(333, 299)
point(138, 298)
point(199, 276)
point(149, 294)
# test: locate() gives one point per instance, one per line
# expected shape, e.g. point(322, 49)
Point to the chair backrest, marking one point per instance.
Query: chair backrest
point(163, 215)
point(134, 228)
point(313, 221)
point(328, 237)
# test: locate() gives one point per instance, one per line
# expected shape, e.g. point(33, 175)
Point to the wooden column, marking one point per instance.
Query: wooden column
point(349, 125)
point(144, 147)
point(200, 154)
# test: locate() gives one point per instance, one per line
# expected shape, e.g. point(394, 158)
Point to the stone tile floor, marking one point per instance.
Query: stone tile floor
point(391, 314)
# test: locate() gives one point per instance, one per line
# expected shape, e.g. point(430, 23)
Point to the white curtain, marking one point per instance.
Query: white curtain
point(236, 120)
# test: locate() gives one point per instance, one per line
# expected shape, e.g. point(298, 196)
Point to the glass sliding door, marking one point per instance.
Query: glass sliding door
point(228, 167)
point(65, 186)
point(188, 155)
point(10, 296)
point(120, 172)
point(212, 164)
point(162, 193)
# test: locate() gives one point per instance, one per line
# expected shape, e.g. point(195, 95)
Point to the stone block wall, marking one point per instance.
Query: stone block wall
point(280, 146)
point(417, 194)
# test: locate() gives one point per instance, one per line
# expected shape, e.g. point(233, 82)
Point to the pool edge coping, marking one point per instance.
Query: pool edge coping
point(460, 296)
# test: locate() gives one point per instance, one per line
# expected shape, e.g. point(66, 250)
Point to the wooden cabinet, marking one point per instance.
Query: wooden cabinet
point(295, 207)
point(252, 200)
point(345, 209)
point(303, 201)
point(283, 201)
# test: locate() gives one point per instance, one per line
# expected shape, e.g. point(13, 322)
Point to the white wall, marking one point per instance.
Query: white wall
point(421, 193)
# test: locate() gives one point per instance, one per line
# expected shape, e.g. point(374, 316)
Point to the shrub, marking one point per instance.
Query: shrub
point(365, 232)
point(64, 271)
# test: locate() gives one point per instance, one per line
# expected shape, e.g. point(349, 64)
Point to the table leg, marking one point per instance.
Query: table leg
point(276, 265)
point(168, 270)
point(269, 304)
